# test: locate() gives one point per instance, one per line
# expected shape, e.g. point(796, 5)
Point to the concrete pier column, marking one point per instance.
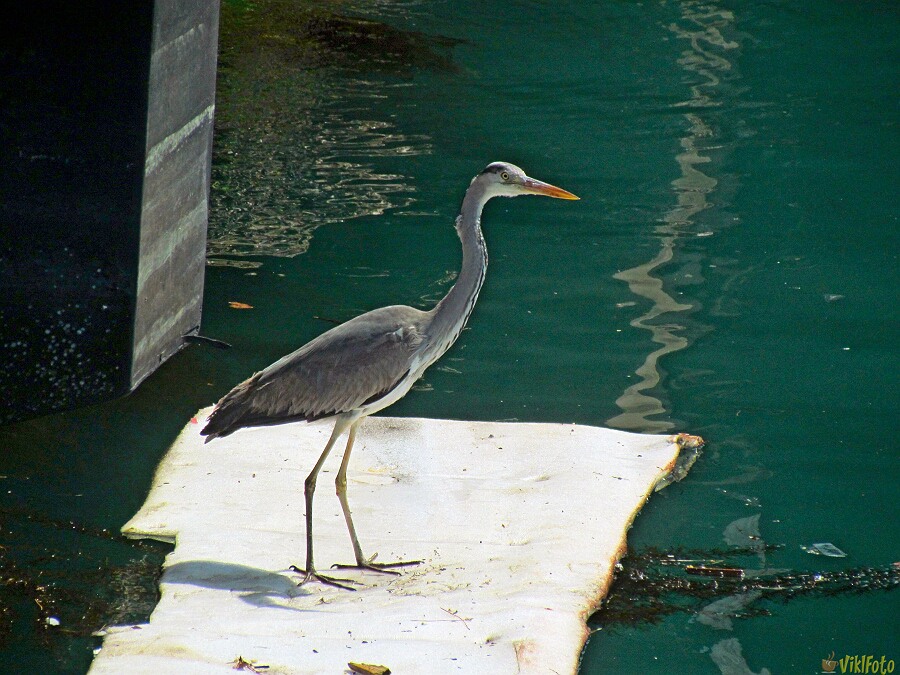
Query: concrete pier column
point(172, 255)
point(106, 119)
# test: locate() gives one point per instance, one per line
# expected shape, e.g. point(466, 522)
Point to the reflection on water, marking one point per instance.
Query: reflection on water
point(297, 143)
point(268, 197)
point(702, 26)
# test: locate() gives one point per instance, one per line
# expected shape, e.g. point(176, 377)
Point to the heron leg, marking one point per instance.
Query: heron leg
point(310, 573)
point(340, 483)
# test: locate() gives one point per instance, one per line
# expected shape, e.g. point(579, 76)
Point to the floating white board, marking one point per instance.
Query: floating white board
point(519, 527)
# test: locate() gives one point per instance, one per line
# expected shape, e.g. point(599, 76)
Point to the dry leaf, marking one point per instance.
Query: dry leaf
point(239, 305)
point(369, 669)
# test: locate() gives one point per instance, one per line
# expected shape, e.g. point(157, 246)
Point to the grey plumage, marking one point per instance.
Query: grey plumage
point(346, 368)
point(368, 363)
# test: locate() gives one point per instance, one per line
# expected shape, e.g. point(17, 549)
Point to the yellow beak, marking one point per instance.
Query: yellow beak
point(537, 187)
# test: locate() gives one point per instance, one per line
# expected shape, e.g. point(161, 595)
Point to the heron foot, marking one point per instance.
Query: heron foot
point(312, 575)
point(372, 566)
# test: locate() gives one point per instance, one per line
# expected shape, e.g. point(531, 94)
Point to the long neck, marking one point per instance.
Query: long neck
point(451, 313)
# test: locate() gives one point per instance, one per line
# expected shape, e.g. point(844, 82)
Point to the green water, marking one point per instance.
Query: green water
point(731, 271)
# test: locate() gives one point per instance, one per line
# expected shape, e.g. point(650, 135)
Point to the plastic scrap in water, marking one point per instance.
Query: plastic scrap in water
point(825, 548)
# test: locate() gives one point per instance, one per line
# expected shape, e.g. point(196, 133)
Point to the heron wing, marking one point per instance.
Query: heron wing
point(344, 368)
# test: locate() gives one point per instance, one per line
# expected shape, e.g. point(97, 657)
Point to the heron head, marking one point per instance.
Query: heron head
point(507, 180)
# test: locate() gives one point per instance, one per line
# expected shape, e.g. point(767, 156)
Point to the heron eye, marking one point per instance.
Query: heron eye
point(504, 175)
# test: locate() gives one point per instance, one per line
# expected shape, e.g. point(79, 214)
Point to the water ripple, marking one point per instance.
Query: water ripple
point(298, 144)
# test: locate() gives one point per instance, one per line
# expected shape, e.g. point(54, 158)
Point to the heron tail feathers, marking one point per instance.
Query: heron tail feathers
point(229, 413)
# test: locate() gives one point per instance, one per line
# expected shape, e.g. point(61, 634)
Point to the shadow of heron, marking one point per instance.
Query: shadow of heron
point(255, 586)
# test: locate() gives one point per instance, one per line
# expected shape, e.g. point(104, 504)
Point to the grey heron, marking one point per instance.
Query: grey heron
point(366, 364)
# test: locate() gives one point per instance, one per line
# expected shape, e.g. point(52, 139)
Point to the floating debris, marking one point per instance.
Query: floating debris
point(83, 594)
point(690, 449)
point(718, 614)
point(743, 532)
point(825, 548)
point(203, 340)
point(703, 570)
point(653, 584)
point(728, 656)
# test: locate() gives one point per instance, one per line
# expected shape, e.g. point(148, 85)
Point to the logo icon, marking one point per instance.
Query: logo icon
point(829, 664)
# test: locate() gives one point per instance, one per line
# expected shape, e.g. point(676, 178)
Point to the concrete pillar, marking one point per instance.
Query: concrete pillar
point(106, 113)
point(178, 150)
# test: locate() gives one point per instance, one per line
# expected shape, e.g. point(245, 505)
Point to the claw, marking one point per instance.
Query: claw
point(312, 575)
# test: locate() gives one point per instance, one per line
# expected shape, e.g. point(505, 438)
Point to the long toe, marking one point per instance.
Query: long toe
point(312, 575)
point(383, 568)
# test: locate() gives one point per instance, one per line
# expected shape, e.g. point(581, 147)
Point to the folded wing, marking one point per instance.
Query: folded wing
point(346, 367)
